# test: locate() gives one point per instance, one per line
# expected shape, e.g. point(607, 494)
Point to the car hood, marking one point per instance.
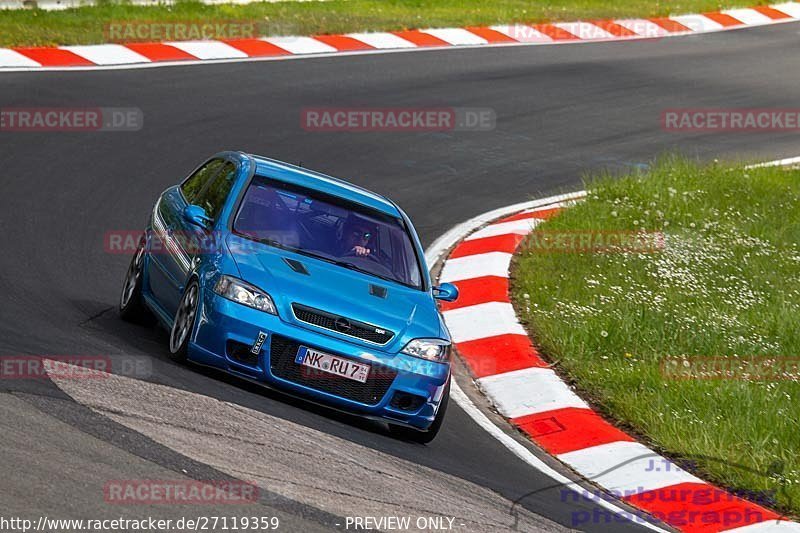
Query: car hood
point(295, 278)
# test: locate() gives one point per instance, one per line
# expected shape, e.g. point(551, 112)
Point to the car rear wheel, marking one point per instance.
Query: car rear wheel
point(183, 324)
point(424, 437)
point(131, 303)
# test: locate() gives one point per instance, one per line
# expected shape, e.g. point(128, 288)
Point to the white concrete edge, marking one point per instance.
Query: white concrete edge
point(191, 63)
point(432, 255)
point(776, 163)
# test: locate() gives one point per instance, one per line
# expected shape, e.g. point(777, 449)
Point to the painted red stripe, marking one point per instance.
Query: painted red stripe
point(725, 20)
point(159, 51)
point(343, 43)
point(54, 57)
point(699, 507)
point(256, 47)
point(772, 13)
point(478, 291)
point(569, 429)
point(542, 213)
point(670, 25)
point(613, 28)
point(421, 39)
point(493, 36)
point(499, 354)
point(554, 32)
point(501, 243)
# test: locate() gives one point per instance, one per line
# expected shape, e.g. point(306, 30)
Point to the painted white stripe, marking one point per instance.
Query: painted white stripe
point(584, 30)
point(777, 163)
point(748, 16)
point(107, 54)
point(770, 526)
point(698, 23)
point(790, 8)
point(528, 391)
point(300, 45)
point(523, 33)
point(456, 36)
point(434, 252)
point(481, 321)
point(626, 467)
point(208, 49)
point(566, 203)
point(520, 227)
point(476, 266)
point(643, 28)
point(10, 58)
point(382, 40)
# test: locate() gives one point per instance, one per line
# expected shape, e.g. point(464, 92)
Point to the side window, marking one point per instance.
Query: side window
point(192, 186)
point(216, 193)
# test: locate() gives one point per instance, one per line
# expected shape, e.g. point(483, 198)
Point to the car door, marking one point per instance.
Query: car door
point(171, 261)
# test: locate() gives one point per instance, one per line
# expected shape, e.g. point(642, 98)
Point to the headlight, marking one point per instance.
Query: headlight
point(245, 294)
point(431, 349)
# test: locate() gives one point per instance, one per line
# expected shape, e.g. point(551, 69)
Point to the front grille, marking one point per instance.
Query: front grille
point(354, 328)
point(281, 361)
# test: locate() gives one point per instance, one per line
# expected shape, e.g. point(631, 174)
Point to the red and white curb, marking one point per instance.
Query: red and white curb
point(134, 55)
point(523, 388)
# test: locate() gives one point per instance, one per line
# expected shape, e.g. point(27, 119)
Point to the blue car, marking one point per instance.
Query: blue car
point(300, 281)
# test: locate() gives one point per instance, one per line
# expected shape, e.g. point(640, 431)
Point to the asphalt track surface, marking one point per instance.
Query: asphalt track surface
point(561, 111)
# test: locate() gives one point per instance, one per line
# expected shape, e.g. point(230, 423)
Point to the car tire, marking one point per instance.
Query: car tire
point(131, 302)
point(424, 437)
point(182, 326)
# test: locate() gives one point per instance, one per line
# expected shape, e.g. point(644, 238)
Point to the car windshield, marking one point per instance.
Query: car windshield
point(328, 228)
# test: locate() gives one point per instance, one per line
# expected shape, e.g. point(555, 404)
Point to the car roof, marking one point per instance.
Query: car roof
point(278, 170)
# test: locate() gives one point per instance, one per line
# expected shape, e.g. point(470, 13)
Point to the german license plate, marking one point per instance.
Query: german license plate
point(332, 364)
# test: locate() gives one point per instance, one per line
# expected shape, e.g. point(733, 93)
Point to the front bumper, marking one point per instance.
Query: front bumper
point(225, 328)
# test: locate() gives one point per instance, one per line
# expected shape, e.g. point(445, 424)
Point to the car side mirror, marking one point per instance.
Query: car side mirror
point(446, 292)
point(196, 215)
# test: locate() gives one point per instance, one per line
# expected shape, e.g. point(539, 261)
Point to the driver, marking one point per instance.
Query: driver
point(356, 237)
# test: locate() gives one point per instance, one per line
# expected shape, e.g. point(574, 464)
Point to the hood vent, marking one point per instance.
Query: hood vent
point(376, 290)
point(297, 266)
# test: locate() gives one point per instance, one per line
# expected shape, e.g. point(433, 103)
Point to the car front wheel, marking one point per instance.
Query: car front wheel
point(183, 324)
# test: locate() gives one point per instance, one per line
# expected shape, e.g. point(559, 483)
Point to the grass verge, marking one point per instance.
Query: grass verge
point(89, 25)
point(725, 285)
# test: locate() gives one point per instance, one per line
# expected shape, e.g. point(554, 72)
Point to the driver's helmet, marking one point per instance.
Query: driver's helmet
point(358, 230)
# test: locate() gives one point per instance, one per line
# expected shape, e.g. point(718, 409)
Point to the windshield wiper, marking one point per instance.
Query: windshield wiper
point(351, 266)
